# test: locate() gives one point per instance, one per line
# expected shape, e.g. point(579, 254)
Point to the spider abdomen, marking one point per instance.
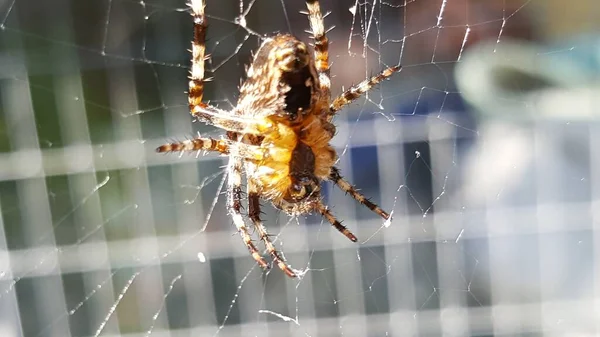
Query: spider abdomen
point(295, 160)
point(271, 173)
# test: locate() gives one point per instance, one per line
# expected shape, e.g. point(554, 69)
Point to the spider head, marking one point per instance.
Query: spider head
point(303, 187)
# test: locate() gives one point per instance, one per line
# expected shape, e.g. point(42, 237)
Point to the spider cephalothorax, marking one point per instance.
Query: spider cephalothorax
point(279, 131)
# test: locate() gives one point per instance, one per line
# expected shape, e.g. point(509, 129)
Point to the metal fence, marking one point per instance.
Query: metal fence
point(494, 229)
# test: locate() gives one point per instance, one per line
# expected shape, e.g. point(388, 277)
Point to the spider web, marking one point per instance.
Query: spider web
point(493, 227)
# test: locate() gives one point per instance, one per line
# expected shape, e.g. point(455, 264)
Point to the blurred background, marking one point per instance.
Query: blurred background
point(483, 146)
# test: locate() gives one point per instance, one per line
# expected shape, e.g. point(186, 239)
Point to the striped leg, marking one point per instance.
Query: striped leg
point(334, 222)
point(224, 146)
point(198, 108)
point(196, 144)
point(348, 188)
point(356, 91)
point(234, 204)
point(315, 18)
point(254, 215)
point(196, 84)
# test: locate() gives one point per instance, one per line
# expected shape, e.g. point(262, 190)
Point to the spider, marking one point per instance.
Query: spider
point(279, 131)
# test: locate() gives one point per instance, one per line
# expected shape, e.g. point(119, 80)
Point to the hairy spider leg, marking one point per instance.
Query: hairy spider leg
point(225, 120)
point(343, 184)
point(315, 18)
point(234, 205)
point(196, 144)
point(196, 83)
point(358, 90)
point(199, 109)
point(321, 208)
point(224, 146)
point(254, 215)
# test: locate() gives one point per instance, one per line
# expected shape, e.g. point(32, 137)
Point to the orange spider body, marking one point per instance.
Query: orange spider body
point(301, 151)
point(295, 133)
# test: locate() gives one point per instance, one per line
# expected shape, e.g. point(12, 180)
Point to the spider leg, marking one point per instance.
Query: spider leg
point(196, 84)
point(321, 208)
point(234, 204)
point(254, 215)
point(224, 146)
point(198, 108)
point(356, 91)
point(196, 144)
point(229, 122)
point(348, 188)
point(315, 18)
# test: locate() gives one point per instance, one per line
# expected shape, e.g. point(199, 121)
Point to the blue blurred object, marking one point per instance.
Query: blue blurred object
point(523, 81)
